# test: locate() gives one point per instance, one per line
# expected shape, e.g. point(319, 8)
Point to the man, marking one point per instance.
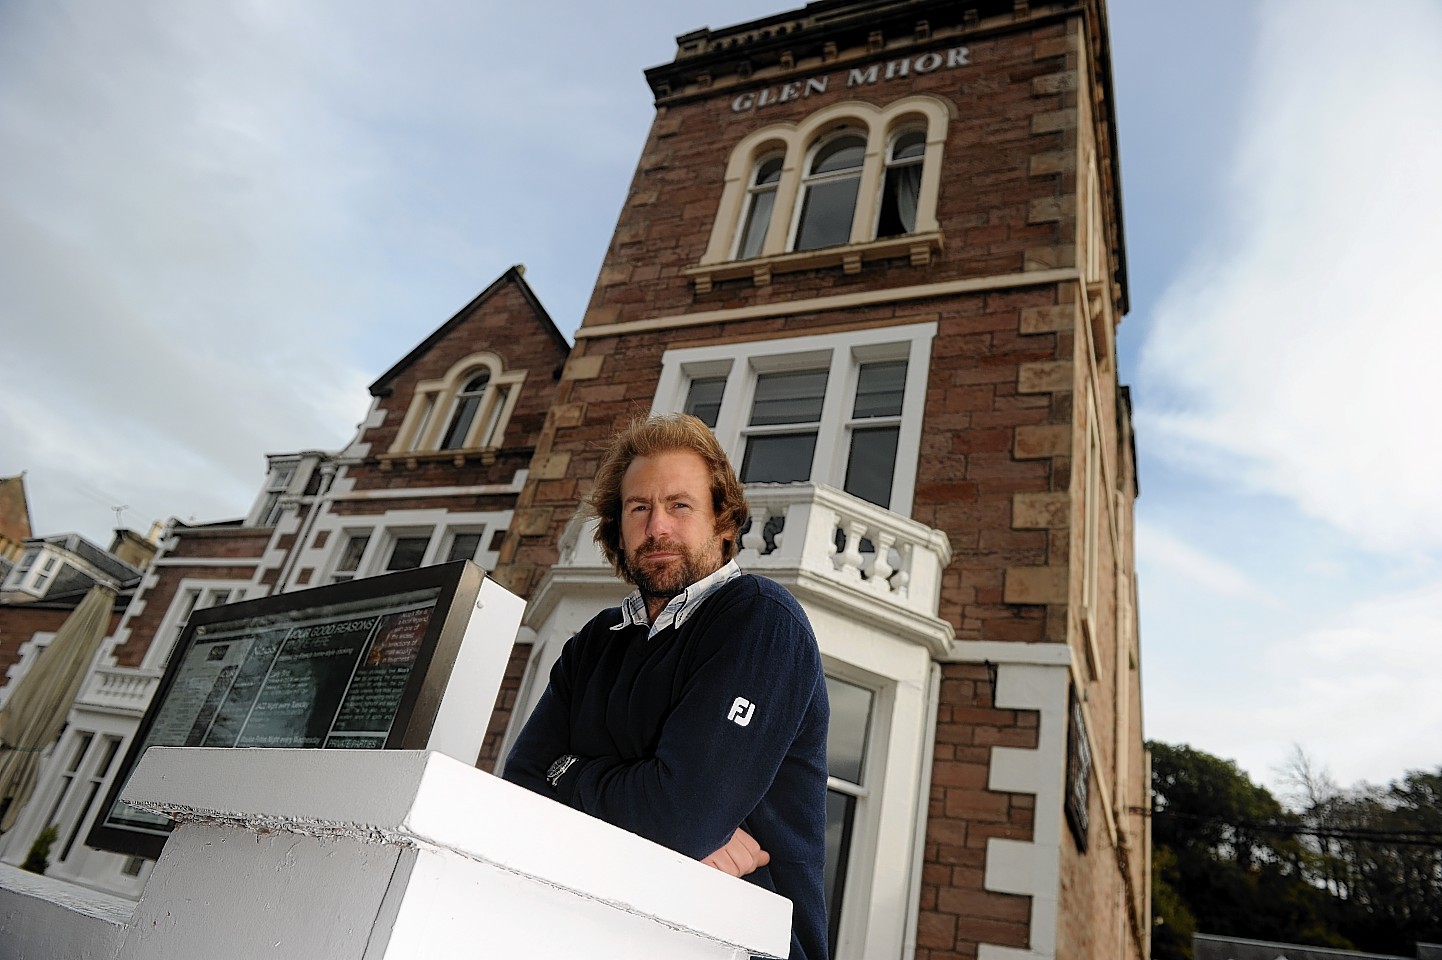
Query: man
point(695, 713)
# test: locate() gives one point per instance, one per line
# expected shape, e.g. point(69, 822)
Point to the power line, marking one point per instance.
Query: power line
point(1404, 838)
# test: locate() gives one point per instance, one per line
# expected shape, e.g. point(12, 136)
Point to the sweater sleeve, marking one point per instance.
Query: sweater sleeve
point(735, 720)
point(546, 734)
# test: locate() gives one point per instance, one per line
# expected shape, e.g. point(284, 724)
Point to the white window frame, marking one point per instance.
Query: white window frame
point(448, 539)
point(887, 829)
point(843, 353)
point(390, 536)
point(754, 191)
point(811, 180)
point(435, 402)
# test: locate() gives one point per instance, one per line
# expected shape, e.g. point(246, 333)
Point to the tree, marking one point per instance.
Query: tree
point(1230, 853)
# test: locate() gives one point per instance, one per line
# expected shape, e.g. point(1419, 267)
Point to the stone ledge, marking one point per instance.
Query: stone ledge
point(919, 248)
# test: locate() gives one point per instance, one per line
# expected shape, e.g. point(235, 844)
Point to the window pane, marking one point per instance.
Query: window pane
point(850, 722)
point(354, 547)
point(478, 382)
point(826, 213)
point(703, 400)
point(461, 423)
point(788, 398)
point(843, 153)
point(464, 547)
point(840, 816)
point(769, 171)
point(270, 512)
point(909, 145)
point(408, 553)
point(879, 389)
point(779, 458)
point(758, 218)
point(872, 463)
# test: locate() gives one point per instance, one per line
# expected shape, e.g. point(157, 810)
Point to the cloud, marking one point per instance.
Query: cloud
point(1294, 353)
point(1364, 696)
point(1171, 556)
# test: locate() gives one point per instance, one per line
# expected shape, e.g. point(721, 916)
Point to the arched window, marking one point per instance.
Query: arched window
point(829, 192)
point(901, 188)
point(760, 201)
point(468, 401)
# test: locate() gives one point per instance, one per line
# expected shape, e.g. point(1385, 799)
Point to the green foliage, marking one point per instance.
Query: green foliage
point(1225, 849)
point(38, 859)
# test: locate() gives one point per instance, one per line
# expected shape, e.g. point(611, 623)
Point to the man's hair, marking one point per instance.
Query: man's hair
point(646, 437)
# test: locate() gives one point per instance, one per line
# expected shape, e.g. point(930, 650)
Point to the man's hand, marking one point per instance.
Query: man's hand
point(740, 856)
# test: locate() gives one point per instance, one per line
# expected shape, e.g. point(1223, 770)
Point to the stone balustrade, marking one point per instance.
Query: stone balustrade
point(122, 689)
point(829, 547)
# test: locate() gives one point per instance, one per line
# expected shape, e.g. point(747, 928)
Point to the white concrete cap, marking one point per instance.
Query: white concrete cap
point(432, 800)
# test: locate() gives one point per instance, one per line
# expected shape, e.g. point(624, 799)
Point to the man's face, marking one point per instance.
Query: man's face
point(669, 538)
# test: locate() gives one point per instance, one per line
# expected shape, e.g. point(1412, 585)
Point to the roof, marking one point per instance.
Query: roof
point(1209, 947)
point(515, 275)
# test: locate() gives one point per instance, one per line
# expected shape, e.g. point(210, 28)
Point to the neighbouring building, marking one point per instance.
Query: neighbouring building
point(432, 475)
point(877, 246)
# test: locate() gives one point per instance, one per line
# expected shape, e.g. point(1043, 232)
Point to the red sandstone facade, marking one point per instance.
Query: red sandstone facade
point(1024, 459)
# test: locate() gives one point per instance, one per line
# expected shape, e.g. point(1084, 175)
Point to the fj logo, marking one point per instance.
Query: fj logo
point(741, 711)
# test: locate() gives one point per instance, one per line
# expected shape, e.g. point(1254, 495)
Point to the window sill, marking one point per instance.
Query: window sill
point(410, 461)
point(919, 247)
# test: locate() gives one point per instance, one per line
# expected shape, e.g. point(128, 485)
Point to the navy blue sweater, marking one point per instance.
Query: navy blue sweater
point(671, 750)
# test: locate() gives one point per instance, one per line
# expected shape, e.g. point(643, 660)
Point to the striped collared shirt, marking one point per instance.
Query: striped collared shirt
point(681, 606)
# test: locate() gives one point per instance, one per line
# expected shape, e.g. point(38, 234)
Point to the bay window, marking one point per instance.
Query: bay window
point(840, 409)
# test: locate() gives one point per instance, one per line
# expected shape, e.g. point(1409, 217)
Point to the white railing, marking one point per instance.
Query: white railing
point(853, 543)
point(809, 534)
point(119, 688)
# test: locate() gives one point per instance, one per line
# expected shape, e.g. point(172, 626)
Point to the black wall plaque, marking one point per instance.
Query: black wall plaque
point(351, 666)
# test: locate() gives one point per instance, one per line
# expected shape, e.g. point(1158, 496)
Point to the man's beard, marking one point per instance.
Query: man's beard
point(665, 581)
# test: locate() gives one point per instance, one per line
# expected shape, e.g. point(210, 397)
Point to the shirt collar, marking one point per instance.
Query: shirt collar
point(680, 607)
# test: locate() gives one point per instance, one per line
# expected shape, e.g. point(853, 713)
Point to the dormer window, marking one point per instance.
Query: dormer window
point(468, 401)
point(467, 409)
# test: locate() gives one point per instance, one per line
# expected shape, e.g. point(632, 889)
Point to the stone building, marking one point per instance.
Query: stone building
point(877, 245)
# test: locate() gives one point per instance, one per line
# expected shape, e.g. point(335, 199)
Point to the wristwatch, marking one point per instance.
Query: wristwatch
point(559, 768)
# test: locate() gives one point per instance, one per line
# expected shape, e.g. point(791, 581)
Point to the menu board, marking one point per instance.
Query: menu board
point(293, 671)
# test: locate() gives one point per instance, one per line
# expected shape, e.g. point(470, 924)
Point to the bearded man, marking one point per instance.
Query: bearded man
point(695, 713)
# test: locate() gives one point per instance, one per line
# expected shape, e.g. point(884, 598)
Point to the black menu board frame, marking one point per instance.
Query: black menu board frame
point(357, 665)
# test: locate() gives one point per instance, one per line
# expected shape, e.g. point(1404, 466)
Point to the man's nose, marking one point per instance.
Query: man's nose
point(658, 522)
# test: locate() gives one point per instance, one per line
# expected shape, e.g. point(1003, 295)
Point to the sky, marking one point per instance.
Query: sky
point(220, 222)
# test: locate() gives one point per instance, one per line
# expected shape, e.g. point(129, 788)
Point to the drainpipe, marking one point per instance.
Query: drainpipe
point(923, 808)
